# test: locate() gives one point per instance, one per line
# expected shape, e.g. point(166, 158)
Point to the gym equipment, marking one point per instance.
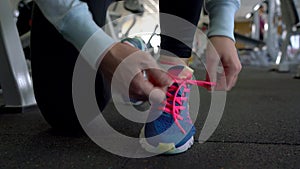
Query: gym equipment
point(290, 17)
point(14, 75)
point(135, 6)
point(113, 28)
point(297, 75)
point(119, 24)
point(24, 25)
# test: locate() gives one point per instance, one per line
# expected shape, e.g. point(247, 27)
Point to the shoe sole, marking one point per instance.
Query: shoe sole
point(165, 148)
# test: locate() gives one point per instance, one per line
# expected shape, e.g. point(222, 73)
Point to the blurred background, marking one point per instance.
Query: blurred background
point(260, 127)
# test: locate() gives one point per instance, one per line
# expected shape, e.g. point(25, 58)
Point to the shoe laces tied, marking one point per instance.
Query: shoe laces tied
point(174, 102)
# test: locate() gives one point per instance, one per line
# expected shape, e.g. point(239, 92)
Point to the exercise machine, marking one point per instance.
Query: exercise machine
point(290, 18)
point(15, 80)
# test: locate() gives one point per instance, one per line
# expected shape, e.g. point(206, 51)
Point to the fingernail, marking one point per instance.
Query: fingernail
point(156, 96)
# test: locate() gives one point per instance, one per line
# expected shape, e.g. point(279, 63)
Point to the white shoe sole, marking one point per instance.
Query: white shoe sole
point(164, 148)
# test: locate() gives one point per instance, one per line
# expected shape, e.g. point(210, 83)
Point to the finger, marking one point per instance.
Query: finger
point(139, 87)
point(208, 79)
point(159, 77)
point(233, 82)
point(154, 73)
point(143, 89)
point(232, 74)
point(153, 94)
point(230, 81)
point(212, 64)
point(209, 88)
point(221, 82)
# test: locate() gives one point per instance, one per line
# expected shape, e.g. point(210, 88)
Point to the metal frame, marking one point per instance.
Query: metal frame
point(14, 75)
point(115, 21)
point(290, 18)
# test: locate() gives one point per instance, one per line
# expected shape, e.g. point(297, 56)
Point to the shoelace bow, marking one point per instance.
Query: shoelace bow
point(172, 98)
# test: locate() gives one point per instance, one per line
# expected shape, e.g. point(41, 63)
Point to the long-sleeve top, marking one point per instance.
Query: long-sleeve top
point(74, 21)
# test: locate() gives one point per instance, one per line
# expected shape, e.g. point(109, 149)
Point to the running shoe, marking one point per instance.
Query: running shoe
point(170, 129)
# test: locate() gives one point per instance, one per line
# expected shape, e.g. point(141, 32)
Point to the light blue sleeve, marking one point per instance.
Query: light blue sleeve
point(74, 21)
point(221, 17)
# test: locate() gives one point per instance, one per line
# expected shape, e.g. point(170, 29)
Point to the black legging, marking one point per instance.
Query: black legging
point(189, 10)
point(53, 60)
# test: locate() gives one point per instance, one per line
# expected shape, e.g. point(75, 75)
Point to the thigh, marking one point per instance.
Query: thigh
point(53, 61)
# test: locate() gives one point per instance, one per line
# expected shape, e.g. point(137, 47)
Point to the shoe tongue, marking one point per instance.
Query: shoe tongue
point(181, 71)
point(176, 68)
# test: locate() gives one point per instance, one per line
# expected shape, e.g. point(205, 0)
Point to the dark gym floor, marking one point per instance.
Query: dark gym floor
point(260, 128)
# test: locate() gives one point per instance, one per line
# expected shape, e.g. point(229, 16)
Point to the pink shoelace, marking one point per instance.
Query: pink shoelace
point(170, 103)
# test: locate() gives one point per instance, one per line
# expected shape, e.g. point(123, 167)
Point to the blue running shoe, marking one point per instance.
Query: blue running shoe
point(136, 42)
point(172, 130)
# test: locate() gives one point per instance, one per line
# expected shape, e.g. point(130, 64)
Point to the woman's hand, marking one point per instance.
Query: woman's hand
point(126, 65)
point(225, 74)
